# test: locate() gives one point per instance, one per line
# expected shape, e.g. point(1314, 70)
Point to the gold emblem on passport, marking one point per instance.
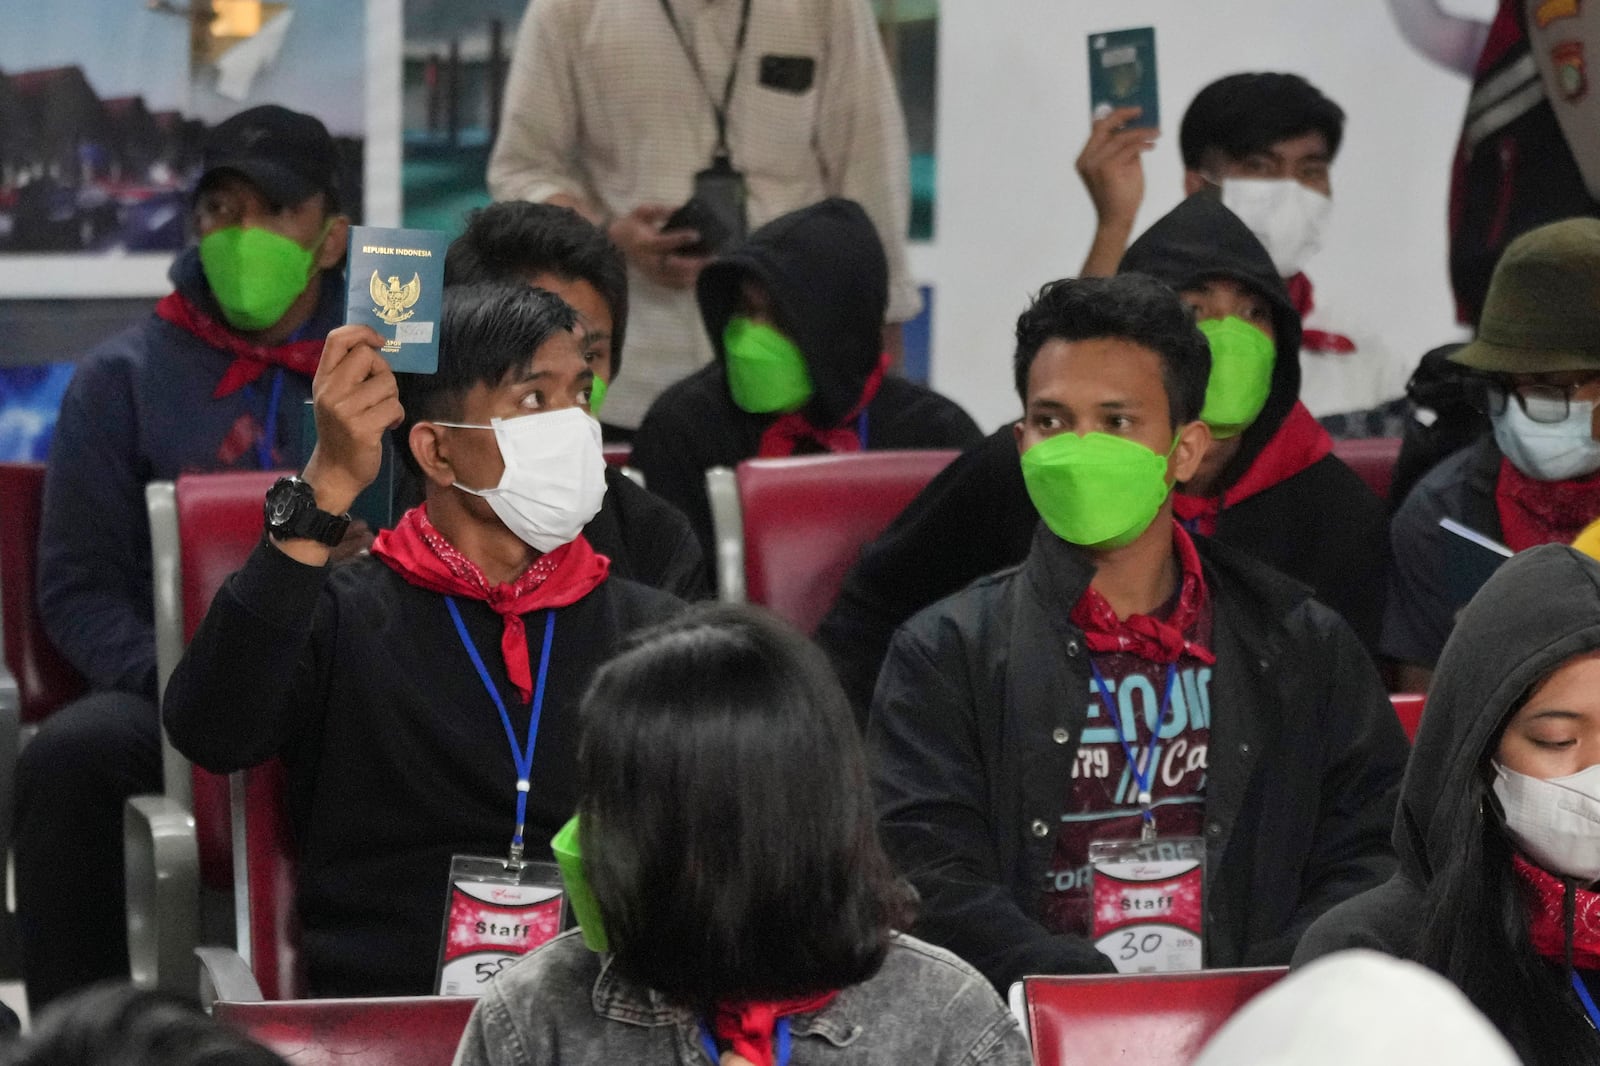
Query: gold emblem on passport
point(395, 300)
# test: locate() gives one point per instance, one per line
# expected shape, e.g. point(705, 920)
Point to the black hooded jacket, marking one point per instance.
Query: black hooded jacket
point(1539, 610)
point(1321, 524)
point(824, 269)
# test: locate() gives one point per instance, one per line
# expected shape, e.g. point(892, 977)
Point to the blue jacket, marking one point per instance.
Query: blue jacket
point(140, 409)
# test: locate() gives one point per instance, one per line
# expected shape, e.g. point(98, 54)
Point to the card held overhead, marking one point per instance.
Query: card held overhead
point(396, 286)
point(1122, 73)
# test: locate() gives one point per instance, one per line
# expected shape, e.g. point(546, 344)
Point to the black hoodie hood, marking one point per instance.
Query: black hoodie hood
point(1540, 609)
point(1198, 240)
point(824, 268)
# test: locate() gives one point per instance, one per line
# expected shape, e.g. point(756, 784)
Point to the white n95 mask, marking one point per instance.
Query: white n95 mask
point(1548, 451)
point(1288, 219)
point(1554, 821)
point(555, 475)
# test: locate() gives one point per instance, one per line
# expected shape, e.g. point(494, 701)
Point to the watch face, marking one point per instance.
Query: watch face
point(282, 502)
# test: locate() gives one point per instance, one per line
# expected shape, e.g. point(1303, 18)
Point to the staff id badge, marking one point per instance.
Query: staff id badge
point(1148, 902)
point(495, 913)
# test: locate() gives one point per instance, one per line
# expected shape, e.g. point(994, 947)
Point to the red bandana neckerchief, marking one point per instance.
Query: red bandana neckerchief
point(1299, 442)
point(250, 360)
point(1144, 635)
point(1536, 512)
point(747, 1028)
point(1542, 894)
point(1315, 340)
point(790, 431)
point(421, 555)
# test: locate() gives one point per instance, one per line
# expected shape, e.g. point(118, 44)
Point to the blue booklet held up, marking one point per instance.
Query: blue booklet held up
point(396, 286)
point(1122, 73)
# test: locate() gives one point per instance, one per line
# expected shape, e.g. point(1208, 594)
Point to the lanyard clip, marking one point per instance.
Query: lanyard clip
point(514, 860)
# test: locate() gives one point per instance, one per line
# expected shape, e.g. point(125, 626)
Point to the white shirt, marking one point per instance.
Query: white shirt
point(602, 103)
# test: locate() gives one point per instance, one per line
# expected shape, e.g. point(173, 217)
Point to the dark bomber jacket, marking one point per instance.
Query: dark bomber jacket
point(975, 726)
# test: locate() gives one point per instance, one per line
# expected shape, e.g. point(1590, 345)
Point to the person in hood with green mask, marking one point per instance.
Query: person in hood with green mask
point(214, 380)
point(1268, 485)
point(1126, 680)
point(1498, 827)
point(796, 317)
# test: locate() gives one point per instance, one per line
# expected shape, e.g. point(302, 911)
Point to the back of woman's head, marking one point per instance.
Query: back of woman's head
point(728, 832)
point(118, 1025)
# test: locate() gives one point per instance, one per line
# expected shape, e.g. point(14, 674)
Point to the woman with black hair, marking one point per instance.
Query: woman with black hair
point(1498, 830)
point(729, 841)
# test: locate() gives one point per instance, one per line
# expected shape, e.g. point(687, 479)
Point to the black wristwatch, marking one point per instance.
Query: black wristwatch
point(292, 514)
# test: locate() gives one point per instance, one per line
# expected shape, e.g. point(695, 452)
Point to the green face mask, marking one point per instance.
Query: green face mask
point(1096, 490)
point(566, 845)
point(766, 372)
point(255, 274)
point(597, 396)
point(1241, 375)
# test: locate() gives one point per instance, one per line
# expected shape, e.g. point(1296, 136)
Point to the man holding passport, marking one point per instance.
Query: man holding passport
point(213, 380)
point(378, 683)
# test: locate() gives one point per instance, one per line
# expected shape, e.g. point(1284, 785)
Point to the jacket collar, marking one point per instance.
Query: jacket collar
point(619, 999)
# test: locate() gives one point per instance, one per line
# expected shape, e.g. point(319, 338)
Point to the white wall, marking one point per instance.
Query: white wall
point(1013, 113)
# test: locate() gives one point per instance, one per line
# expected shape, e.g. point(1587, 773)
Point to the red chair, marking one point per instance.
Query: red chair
point(44, 680)
point(34, 679)
point(1373, 459)
point(1135, 1019)
point(408, 1031)
point(617, 453)
point(179, 844)
point(788, 530)
point(1408, 707)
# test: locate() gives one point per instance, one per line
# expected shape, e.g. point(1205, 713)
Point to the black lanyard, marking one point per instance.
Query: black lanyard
point(718, 110)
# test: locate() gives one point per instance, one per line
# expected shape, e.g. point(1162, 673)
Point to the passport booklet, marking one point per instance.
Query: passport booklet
point(1122, 73)
point(395, 284)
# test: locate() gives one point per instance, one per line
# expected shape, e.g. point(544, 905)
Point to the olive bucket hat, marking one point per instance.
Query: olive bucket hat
point(1542, 313)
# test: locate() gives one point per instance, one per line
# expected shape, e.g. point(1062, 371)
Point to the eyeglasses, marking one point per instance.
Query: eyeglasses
point(1546, 404)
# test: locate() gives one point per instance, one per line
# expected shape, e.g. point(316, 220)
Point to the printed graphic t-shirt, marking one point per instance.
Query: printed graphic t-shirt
point(1103, 797)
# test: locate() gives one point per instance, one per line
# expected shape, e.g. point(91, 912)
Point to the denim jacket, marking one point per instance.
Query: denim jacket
point(562, 1003)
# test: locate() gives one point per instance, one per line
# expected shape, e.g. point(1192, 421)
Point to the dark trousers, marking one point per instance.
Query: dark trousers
point(72, 779)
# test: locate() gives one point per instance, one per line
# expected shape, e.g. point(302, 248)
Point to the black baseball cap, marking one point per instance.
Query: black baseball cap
point(287, 155)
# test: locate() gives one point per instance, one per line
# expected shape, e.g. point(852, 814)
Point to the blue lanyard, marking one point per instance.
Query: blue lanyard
point(1587, 1000)
point(782, 1043)
point(861, 428)
point(520, 755)
point(1141, 774)
point(269, 429)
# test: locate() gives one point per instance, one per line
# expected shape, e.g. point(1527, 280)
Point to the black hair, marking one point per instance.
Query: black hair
point(1243, 114)
point(485, 332)
point(1131, 307)
point(516, 240)
point(115, 1024)
point(728, 830)
point(1475, 933)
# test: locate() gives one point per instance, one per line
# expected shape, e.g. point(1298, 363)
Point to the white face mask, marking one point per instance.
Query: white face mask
point(555, 475)
point(1555, 821)
point(1288, 219)
point(1549, 451)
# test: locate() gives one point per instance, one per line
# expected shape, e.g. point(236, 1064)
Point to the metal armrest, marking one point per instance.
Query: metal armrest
point(224, 975)
point(727, 524)
point(163, 885)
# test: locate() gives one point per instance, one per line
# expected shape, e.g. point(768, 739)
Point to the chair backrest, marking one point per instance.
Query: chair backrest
point(264, 895)
point(43, 678)
point(1408, 707)
point(1373, 459)
point(219, 523)
point(617, 453)
point(1135, 1019)
point(806, 519)
point(408, 1031)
